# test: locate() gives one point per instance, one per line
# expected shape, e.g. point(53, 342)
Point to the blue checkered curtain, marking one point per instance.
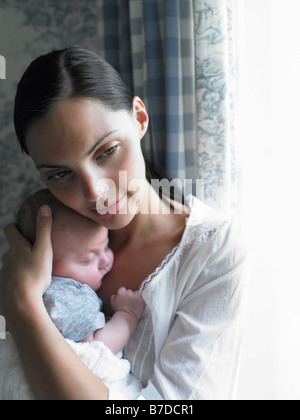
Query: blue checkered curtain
point(179, 56)
point(151, 43)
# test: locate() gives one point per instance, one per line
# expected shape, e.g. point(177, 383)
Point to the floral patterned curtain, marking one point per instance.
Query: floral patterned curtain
point(215, 48)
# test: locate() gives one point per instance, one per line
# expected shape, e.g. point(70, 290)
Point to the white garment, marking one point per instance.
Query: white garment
point(111, 369)
point(187, 343)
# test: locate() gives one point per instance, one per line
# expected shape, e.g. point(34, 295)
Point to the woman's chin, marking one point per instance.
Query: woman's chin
point(116, 221)
point(117, 217)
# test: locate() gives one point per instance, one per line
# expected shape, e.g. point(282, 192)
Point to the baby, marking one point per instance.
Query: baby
point(81, 258)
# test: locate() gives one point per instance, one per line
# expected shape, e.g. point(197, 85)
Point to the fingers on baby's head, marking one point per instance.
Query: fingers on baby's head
point(13, 235)
point(27, 214)
point(45, 211)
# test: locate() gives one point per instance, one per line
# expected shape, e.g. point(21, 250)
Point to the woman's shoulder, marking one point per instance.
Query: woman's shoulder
point(212, 245)
point(203, 221)
point(209, 231)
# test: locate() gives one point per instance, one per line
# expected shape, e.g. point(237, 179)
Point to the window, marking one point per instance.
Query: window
point(269, 135)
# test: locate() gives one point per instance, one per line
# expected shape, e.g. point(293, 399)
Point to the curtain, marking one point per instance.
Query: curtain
point(177, 55)
point(215, 60)
point(152, 44)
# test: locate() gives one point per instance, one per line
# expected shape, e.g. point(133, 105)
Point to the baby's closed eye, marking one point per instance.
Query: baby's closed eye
point(87, 260)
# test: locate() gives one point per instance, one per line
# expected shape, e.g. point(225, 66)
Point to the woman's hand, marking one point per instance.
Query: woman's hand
point(52, 368)
point(26, 272)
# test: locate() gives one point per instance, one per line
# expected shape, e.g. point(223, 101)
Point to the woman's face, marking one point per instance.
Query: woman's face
point(80, 150)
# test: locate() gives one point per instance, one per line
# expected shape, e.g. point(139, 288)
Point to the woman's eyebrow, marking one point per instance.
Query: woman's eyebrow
point(50, 167)
point(92, 149)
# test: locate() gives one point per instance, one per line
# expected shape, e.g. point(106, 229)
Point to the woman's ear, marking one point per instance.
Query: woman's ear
point(140, 115)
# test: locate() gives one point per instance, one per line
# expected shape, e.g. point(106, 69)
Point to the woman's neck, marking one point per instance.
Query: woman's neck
point(153, 219)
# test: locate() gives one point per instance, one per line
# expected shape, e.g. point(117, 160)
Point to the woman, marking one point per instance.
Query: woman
point(81, 125)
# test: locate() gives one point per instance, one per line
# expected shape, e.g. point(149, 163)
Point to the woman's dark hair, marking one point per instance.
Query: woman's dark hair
point(69, 73)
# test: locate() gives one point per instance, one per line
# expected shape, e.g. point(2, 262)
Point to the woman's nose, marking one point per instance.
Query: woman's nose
point(89, 186)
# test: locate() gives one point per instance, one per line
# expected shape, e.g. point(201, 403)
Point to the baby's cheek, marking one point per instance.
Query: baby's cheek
point(93, 279)
point(111, 258)
point(83, 274)
point(63, 268)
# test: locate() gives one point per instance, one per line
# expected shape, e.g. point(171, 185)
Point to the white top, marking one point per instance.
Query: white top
point(187, 343)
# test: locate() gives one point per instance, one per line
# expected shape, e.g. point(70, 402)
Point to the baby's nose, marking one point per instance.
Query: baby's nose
point(106, 260)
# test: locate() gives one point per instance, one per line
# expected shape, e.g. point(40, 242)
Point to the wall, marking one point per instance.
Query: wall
point(28, 29)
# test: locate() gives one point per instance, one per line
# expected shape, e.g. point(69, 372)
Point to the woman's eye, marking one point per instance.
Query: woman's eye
point(58, 176)
point(108, 152)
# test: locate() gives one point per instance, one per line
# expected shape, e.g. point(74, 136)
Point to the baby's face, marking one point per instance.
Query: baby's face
point(80, 249)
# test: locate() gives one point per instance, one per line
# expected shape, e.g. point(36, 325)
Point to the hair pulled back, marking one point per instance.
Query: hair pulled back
point(69, 73)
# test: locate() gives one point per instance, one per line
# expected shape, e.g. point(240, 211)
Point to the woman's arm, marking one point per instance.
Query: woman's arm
point(53, 370)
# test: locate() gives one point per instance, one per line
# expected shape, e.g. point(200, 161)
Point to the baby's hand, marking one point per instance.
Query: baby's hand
point(128, 301)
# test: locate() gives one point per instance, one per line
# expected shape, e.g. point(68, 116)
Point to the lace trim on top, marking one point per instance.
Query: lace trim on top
point(158, 269)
